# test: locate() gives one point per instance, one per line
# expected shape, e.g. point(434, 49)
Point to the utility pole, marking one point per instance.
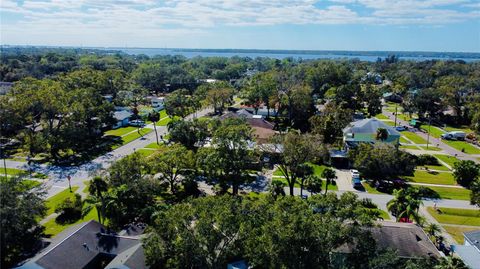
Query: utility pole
point(69, 184)
point(396, 106)
point(3, 155)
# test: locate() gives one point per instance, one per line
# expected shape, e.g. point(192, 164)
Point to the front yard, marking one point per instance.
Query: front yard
point(430, 177)
point(457, 216)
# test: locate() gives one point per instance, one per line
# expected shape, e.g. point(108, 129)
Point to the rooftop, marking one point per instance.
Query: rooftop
point(369, 126)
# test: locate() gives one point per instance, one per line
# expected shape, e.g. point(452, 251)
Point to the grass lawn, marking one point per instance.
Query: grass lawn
point(450, 160)
point(53, 228)
point(462, 145)
point(452, 193)
point(465, 129)
point(409, 147)
point(164, 121)
point(12, 171)
point(153, 145)
point(390, 123)
point(130, 137)
point(414, 137)
point(145, 152)
point(432, 148)
point(457, 232)
point(434, 167)
point(403, 140)
point(31, 183)
point(456, 216)
point(55, 200)
point(317, 170)
point(434, 131)
point(432, 178)
point(121, 131)
point(381, 117)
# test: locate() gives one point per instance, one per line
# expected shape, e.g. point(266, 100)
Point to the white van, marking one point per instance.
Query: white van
point(454, 135)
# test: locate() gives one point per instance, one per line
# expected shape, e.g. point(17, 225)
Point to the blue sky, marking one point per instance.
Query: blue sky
point(412, 25)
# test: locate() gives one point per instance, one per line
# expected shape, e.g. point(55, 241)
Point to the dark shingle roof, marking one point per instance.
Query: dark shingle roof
point(473, 238)
point(409, 240)
point(369, 126)
point(85, 246)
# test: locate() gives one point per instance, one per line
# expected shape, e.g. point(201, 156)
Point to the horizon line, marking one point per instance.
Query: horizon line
point(234, 49)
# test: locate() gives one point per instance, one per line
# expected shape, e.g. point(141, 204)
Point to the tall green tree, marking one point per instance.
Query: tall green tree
point(296, 150)
point(172, 163)
point(330, 175)
point(405, 204)
point(466, 172)
point(20, 210)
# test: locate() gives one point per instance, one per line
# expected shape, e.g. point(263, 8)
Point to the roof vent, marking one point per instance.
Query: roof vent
point(86, 247)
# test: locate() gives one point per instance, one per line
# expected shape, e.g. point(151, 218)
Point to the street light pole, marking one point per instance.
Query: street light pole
point(69, 185)
point(396, 106)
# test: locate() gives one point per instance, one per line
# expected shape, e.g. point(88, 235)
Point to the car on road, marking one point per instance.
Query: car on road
point(137, 123)
point(454, 135)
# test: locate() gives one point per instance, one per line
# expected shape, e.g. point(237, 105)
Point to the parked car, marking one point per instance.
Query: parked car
point(454, 135)
point(401, 128)
point(355, 173)
point(137, 123)
point(357, 183)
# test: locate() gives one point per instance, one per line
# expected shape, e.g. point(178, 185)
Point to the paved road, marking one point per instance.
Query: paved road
point(78, 174)
point(432, 140)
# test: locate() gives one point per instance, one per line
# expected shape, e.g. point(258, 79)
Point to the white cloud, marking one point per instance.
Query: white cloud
point(169, 18)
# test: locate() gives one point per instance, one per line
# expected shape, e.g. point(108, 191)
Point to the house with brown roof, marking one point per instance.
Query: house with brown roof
point(262, 129)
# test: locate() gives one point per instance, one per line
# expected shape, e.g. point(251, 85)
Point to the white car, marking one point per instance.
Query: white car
point(355, 173)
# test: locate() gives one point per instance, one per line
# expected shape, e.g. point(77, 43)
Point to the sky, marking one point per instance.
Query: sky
point(391, 25)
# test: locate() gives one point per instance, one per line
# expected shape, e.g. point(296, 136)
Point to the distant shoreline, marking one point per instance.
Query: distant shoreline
point(280, 54)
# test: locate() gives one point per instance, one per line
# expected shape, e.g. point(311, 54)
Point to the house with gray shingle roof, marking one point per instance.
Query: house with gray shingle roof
point(366, 131)
point(90, 245)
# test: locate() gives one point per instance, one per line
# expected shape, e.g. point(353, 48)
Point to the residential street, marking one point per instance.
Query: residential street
point(57, 175)
point(432, 140)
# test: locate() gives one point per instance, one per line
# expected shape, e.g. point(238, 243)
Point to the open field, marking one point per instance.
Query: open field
point(432, 178)
point(457, 232)
point(457, 216)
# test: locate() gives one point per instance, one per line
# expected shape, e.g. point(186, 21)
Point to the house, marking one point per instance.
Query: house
point(366, 131)
point(158, 103)
point(469, 252)
point(262, 129)
point(407, 239)
point(5, 87)
point(122, 118)
point(392, 97)
point(91, 245)
point(264, 112)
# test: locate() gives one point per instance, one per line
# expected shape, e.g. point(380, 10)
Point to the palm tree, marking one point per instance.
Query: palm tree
point(314, 184)
point(329, 174)
point(382, 134)
point(154, 117)
point(405, 204)
point(432, 229)
point(96, 189)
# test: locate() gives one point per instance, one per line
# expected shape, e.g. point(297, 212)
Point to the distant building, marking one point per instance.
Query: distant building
point(262, 129)
point(91, 245)
point(366, 131)
point(5, 87)
point(469, 252)
point(158, 103)
point(392, 97)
